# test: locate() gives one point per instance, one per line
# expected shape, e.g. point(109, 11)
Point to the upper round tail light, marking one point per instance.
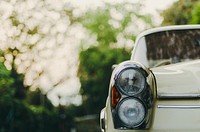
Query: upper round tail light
point(131, 81)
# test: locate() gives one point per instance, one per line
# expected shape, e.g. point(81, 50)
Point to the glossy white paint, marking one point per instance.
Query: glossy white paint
point(180, 78)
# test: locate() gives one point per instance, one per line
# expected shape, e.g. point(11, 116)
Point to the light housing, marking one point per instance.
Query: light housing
point(131, 97)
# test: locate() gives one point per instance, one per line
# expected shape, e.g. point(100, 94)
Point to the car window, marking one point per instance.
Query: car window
point(168, 47)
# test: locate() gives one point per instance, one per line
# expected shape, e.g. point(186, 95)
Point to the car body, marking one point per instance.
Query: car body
point(158, 89)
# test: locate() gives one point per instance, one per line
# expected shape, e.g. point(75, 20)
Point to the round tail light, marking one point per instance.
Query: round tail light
point(131, 112)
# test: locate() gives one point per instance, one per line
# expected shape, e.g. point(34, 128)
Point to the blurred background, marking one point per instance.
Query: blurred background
point(56, 56)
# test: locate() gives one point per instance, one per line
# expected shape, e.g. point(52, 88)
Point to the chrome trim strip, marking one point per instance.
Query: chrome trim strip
point(179, 106)
point(178, 96)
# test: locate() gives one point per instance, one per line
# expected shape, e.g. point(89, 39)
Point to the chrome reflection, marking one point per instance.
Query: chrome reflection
point(179, 106)
point(178, 96)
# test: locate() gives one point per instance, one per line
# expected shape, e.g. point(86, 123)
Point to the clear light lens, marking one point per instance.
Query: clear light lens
point(131, 81)
point(131, 112)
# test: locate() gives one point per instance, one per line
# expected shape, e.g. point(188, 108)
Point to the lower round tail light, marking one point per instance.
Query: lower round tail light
point(131, 112)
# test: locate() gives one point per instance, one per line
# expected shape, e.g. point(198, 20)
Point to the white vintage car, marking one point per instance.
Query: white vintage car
point(158, 89)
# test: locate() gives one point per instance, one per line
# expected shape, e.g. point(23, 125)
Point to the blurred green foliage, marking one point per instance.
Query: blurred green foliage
point(6, 90)
point(182, 12)
point(195, 13)
point(108, 22)
point(98, 23)
point(33, 113)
